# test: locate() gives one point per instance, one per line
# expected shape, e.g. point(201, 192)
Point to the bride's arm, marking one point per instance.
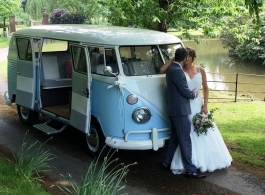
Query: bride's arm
point(164, 68)
point(205, 91)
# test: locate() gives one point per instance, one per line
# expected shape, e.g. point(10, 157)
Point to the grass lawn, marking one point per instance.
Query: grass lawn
point(3, 68)
point(4, 42)
point(243, 129)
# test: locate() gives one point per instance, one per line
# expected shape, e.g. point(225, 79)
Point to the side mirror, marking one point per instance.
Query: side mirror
point(108, 71)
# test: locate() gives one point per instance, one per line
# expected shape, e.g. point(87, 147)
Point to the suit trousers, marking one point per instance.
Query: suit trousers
point(180, 135)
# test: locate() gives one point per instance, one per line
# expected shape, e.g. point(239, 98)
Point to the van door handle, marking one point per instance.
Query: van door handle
point(85, 91)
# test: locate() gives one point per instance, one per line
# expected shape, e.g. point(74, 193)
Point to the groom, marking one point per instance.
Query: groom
point(179, 96)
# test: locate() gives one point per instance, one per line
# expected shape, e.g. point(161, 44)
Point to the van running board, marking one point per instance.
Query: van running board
point(44, 127)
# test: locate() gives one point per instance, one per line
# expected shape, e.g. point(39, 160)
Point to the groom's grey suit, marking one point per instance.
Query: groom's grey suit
point(179, 96)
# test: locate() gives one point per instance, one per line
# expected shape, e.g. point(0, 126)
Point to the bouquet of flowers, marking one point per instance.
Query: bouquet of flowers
point(202, 122)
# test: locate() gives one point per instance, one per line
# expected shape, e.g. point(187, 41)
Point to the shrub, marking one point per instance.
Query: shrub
point(243, 40)
point(63, 16)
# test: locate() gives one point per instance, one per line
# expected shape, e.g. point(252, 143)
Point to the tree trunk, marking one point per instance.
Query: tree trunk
point(163, 25)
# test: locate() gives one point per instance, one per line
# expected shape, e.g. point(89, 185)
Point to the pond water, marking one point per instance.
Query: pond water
point(222, 71)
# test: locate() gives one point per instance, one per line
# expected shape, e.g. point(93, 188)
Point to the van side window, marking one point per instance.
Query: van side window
point(24, 49)
point(51, 45)
point(140, 60)
point(102, 57)
point(79, 59)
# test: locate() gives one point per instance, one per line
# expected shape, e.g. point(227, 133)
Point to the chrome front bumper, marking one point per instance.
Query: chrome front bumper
point(154, 143)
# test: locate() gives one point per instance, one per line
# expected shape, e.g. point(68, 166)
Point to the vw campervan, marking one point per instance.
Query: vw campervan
point(102, 80)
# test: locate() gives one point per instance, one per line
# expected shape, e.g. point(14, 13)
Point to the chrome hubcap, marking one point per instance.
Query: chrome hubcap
point(92, 139)
point(24, 113)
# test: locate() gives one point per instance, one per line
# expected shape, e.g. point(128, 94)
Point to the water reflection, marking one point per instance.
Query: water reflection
point(221, 68)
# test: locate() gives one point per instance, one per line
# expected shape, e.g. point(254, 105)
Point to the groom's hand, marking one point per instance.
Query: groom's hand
point(195, 92)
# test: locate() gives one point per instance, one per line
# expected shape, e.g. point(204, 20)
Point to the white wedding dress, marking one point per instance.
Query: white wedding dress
point(209, 152)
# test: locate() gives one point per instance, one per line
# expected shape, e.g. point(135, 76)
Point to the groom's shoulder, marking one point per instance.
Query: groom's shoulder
point(174, 66)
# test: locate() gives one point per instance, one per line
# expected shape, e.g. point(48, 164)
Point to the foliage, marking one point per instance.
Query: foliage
point(34, 8)
point(32, 159)
point(254, 7)
point(181, 15)
point(23, 19)
point(89, 8)
point(99, 180)
point(2, 24)
point(8, 7)
point(243, 39)
point(63, 16)
point(57, 15)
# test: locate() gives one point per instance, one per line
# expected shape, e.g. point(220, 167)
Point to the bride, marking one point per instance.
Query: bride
point(209, 152)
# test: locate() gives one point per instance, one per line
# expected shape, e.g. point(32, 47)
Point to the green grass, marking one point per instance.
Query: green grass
point(4, 42)
point(3, 68)
point(11, 183)
point(242, 127)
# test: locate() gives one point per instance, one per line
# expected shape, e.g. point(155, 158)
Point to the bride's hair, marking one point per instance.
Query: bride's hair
point(192, 52)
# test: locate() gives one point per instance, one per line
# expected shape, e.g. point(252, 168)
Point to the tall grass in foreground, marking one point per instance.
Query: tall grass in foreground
point(32, 159)
point(11, 183)
point(22, 176)
point(100, 179)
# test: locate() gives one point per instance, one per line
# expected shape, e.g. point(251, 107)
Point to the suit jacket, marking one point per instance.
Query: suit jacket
point(178, 92)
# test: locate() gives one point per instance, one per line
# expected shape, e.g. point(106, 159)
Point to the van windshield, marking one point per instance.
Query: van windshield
point(146, 60)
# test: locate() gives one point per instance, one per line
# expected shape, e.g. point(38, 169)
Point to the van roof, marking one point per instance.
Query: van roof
point(106, 35)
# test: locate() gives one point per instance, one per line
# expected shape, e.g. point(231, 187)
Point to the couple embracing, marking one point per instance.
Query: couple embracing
point(187, 153)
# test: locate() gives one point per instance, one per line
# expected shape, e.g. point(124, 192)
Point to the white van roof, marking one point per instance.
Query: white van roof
point(105, 35)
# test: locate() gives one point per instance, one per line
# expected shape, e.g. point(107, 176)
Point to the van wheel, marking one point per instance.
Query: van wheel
point(27, 116)
point(95, 141)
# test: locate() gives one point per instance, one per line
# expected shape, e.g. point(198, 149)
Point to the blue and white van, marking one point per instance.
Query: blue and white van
point(103, 80)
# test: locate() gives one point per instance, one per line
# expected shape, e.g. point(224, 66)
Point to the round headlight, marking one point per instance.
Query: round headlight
point(141, 115)
point(131, 99)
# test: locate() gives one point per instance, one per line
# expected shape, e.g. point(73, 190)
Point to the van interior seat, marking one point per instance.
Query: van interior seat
point(142, 67)
point(97, 63)
point(52, 75)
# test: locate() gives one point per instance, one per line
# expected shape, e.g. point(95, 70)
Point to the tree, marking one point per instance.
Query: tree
point(245, 43)
point(8, 7)
point(181, 14)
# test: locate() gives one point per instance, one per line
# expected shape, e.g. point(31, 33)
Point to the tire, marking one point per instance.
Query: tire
point(95, 141)
point(27, 116)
